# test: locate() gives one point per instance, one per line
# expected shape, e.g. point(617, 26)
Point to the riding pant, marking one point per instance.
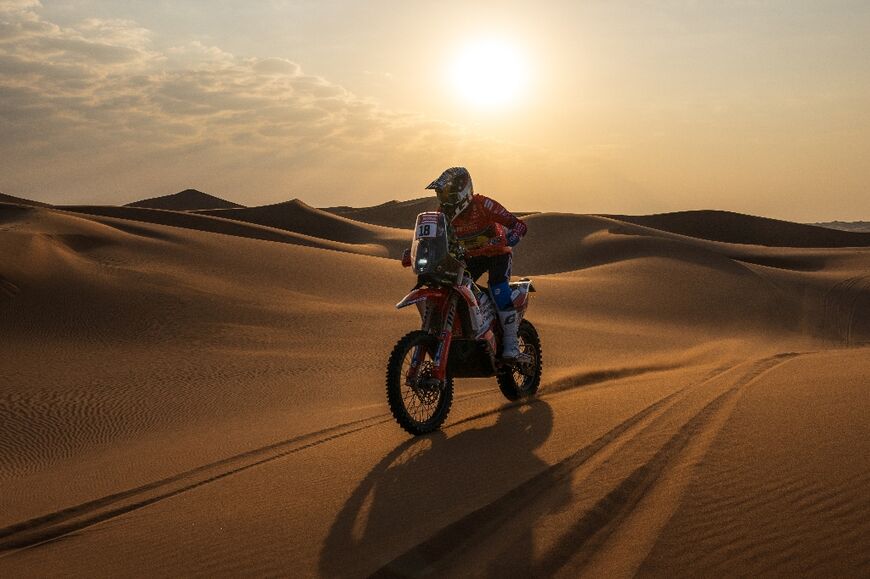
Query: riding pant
point(499, 268)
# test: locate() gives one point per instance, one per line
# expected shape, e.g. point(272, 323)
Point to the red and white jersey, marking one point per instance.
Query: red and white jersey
point(481, 227)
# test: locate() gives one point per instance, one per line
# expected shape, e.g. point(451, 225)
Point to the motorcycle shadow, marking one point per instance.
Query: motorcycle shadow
point(433, 496)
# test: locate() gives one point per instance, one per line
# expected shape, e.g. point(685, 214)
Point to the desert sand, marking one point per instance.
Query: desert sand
point(198, 391)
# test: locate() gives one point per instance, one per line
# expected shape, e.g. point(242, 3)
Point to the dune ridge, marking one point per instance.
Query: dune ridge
point(186, 200)
point(21, 201)
point(401, 214)
point(372, 245)
point(295, 215)
point(733, 227)
point(860, 226)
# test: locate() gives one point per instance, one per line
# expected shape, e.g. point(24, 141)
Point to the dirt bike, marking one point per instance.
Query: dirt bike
point(460, 335)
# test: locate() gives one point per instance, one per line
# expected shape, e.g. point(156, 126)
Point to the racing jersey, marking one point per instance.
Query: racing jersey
point(483, 227)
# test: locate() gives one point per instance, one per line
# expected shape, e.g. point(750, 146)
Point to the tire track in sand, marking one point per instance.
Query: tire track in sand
point(56, 524)
point(456, 546)
point(842, 303)
point(429, 556)
point(618, 534)
point(68, 520)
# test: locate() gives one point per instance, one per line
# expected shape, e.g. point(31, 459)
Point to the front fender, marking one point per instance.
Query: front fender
point(421, 295)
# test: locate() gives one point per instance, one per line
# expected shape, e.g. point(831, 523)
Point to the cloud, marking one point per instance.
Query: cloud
point(19, 5)
point(98, 103)
point(277, 66)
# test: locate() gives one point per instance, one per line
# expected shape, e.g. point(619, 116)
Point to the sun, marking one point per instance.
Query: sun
point(489, 73)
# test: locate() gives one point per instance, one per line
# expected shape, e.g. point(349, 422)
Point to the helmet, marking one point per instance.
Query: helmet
point(454, 190)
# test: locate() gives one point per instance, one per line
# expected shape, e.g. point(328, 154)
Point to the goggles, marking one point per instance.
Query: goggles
point(447, 195)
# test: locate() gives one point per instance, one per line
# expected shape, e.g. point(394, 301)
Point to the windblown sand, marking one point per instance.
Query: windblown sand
point(201, 394)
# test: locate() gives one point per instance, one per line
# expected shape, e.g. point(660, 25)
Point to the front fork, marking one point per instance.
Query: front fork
point(445, 337)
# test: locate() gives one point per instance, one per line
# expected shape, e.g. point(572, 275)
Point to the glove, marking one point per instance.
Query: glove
point(514, 235)
point(406, 258)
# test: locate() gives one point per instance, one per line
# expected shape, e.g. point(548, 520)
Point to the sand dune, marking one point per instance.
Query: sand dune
point(197, 394)
point(738, 228)
point(390, 245)
point(20, 201)
point(401, 214)
point(298, 217)
point(860, 226)
point(87, 288)
point(566, 242)
point(187, 200)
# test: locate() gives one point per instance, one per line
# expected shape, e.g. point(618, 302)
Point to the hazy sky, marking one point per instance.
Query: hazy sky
point(599, 106)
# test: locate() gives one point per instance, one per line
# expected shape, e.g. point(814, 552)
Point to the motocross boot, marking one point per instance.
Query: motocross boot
point(509, 323)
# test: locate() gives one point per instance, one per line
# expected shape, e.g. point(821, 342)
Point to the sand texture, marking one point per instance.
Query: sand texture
point(198, 391)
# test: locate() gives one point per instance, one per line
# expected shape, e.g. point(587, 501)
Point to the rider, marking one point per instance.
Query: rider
point(487, 232)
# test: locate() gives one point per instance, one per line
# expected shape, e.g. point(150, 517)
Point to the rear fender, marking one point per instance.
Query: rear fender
point(520, 291)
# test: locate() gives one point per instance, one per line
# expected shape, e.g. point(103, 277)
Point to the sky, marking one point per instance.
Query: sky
point(635, 107)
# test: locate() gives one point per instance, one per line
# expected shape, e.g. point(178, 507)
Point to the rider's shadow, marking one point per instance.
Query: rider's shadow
point(440, 482)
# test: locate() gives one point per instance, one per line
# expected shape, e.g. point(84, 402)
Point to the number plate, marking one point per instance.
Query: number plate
point(427, 230)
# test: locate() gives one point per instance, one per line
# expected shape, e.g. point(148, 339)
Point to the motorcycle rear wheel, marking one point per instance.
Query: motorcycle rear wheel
point(418, 408)
point(513, 383)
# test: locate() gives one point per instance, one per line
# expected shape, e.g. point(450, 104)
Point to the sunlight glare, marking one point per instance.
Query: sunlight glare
point(489, 73)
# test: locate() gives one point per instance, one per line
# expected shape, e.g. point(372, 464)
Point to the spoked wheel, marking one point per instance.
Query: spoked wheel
point(522, 380)
point(419, 401)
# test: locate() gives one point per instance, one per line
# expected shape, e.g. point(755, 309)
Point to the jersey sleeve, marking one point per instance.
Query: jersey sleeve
point(499, 214)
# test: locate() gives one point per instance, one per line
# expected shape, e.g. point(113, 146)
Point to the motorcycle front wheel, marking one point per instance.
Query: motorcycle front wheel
point(516, 383)
point(419, 402)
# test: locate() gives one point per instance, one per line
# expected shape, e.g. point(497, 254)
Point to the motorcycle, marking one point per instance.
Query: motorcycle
point(460, 335)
